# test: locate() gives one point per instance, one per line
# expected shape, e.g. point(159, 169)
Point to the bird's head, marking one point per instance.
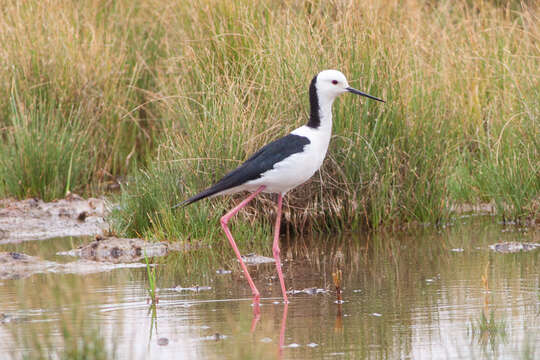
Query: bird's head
point(332, 83)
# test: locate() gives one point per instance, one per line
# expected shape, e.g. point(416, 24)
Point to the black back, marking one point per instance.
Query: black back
point(260, 162)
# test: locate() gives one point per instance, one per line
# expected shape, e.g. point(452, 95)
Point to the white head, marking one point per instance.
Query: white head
point(332, 83)
point(325, 87)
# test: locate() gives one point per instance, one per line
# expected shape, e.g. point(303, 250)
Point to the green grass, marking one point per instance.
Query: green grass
point(46, 153)
point(148, 212)
point(175, 94)
point(151, 277)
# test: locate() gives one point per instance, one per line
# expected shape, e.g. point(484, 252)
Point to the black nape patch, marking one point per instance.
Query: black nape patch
point(314, 118)
point(259, 163)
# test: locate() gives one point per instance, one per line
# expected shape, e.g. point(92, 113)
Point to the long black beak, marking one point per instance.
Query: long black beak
point(358, 92)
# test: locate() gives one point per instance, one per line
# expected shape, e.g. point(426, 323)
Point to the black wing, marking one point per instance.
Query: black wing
point(260, 162)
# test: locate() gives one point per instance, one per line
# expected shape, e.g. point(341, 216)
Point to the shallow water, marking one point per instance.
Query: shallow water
point(419, 296)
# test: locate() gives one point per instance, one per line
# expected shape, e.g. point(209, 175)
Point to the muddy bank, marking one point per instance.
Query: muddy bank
point(119, 250)
point(99, 255)
point(15, 265)
point(18, 266)
point(254, 259)
point(34, 219)
point(514, 247)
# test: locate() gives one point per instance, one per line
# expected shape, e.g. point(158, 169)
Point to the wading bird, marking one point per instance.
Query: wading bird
point(285, 163)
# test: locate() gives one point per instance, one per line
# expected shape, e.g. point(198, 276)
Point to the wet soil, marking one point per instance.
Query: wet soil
point(34, 219)
point(119, 250)
point(101, 254)
point(254, 259)
point(15, 265)
point(513, 247)
point(22, 222)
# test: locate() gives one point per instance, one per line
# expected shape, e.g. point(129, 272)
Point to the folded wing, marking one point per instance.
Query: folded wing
point(254, 167)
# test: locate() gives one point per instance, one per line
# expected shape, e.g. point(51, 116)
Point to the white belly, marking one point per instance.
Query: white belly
point(297, 168)
point(288, 174)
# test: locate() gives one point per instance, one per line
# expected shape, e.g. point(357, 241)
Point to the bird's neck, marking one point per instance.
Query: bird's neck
point(320, 116)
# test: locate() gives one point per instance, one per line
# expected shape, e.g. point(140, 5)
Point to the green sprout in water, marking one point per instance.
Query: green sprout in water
point(488, 329)
point(151, 275)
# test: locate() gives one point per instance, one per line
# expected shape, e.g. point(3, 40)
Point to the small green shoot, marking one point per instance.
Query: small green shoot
point(151, 275)
point(487, 329)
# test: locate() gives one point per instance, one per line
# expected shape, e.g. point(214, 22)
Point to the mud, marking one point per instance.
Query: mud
point(15, 265)
point(195, 289)
point(482, 208)
point(34, 219)
point(84, 267)
point(18, 266)
point(309, 291)
point(254, 259)
point(119, 250)
point(513, 247)
point(8, 318)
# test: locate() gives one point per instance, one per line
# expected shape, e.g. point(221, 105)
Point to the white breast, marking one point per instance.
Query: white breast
point(297, 168)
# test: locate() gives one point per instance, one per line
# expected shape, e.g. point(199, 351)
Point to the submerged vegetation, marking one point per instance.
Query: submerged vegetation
point(175, 93)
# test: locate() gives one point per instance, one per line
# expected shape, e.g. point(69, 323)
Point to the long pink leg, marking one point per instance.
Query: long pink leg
point(282, 331)
point(224, 220)
point(256, 313)
point(275, 248)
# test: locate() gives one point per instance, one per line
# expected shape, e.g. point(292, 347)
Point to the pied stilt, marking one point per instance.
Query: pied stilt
point(284, 163)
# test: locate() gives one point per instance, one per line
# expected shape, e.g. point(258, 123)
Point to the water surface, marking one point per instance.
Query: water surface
point(431, 294)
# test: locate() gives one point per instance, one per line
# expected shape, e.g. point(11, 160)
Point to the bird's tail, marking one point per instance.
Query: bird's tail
point(202, 195)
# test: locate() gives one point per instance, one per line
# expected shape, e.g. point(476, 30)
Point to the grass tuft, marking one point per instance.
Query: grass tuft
point(45, 153)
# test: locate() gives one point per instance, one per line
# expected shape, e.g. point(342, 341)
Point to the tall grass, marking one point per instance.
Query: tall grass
point(95, 57)
point(187, 89)
point(45, 153)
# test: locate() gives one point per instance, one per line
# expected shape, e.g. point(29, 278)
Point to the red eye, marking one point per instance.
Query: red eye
point(334, 82)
